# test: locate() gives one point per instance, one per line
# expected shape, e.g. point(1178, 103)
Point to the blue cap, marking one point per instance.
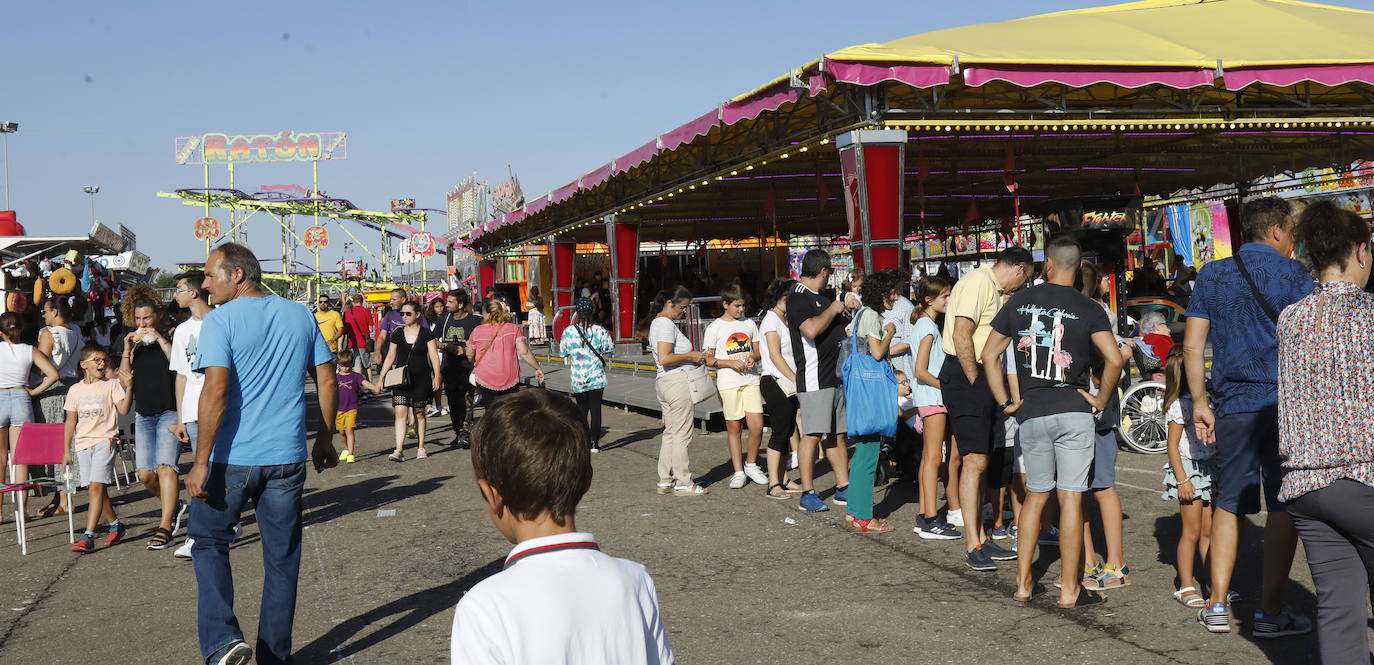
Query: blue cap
point(584, 304)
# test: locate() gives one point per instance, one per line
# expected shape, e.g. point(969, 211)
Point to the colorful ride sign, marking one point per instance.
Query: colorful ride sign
point(422, 243)
point(284, 146)
point(316, 238)
point(207, 228)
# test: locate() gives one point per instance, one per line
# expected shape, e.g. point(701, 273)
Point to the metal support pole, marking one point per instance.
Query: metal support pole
point(6, 137)
point(233, 228)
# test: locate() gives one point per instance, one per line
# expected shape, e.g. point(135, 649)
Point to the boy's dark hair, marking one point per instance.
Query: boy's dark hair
point(196, 280)
point(731, 292)
point(535, 449)
point(92, 349)
point(345, 357)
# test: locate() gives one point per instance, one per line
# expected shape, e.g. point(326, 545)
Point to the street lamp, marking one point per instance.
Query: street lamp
point(7, 128)
point(92, 190)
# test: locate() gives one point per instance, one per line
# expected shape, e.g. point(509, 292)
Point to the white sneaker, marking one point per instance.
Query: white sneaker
point(955, 517)
point(185, 550)
point(239, 654)
point(792, 461)
point(738, 480)
point(443, 411)
point(756, 474)
point(431, 412)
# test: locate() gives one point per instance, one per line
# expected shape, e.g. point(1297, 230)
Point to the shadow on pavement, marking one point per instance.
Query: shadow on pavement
point(395, 618)
point(632, 437)
point(367, 494)
point(1246, 580)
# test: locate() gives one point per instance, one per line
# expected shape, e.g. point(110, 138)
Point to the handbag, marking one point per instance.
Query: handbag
point(397, 379)
point(700, 384)
point(472, 376)
point(788, 387)
point(870, 391)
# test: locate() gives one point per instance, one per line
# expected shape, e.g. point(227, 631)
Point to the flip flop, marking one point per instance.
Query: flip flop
point(1085, 598)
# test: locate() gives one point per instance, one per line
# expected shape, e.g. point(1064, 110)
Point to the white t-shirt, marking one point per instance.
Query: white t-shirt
point(662, 329)
point(1187, 446)
point(185, 340)
point(900, 317)
point(561, 600)
point(732, 340)
point(66, 351)
point(774, 323)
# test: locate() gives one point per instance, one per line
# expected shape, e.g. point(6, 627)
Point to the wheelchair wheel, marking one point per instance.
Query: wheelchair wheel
point(1143, 426)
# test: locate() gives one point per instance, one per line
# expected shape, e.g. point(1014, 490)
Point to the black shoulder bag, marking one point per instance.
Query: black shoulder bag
point(588, 345)
point(1254, 290)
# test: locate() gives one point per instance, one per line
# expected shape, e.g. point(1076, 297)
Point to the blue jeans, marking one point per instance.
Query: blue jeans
point(276, 493)
point(154, 443)
point(16, 407)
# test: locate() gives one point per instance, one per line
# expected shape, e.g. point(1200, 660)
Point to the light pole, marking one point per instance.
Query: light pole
point(7, 128)
point(92, 190)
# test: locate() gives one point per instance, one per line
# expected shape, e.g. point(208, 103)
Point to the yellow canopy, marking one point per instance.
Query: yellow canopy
point(1150, 33)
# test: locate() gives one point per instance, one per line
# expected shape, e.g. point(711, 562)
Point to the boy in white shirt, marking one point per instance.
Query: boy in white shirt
point(559, 599)
point(732, 348)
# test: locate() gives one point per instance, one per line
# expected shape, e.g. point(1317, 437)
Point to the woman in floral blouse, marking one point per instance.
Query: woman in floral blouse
point(583, 343)
point(1326, 416)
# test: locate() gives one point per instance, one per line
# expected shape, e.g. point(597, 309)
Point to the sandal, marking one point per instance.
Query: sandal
point(421, 454)
point(1085, 598)
point(1036, 589)
point(793, 486)
point(781, 492)
point(161, 540)
point(873, 525)
point(50, 510)
point(1190, 597)
point(396, 457)
point(1108, 576)
point(690, 490)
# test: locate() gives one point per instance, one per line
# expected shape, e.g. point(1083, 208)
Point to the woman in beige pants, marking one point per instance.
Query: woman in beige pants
point(674, 356)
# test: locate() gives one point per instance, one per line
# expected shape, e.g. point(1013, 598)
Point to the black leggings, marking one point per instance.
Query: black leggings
point(590, 404)
point(456, 386)
point(782, 414)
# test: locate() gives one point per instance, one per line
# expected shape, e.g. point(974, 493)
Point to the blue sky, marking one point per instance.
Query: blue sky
point(428, 92)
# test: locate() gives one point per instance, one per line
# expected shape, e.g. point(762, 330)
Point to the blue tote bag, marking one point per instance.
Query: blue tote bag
point(870, 390)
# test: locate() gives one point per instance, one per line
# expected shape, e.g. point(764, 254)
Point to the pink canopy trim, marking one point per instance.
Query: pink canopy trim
point(686, 133)
point(1078, 77)
point(564, 193)
point(816, 84)
point(537, 205)
point(733, 112)
point(596, 177)
point(863, 73)
point(1330, 75)
point(513, 216)
point(635, 157)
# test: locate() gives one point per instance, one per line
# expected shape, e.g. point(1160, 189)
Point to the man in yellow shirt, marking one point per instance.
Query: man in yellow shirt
point(331, 324)
point(973, 302)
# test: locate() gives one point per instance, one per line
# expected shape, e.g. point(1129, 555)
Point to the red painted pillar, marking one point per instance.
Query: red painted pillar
point(871, 164)
point(622, 237)
point(562, 255)
point(486, 278)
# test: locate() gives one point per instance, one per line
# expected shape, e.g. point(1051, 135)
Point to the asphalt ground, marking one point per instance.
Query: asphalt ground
point(390, 548)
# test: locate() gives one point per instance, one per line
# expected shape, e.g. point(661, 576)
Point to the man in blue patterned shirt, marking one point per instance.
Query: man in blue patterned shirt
point(1238, 301)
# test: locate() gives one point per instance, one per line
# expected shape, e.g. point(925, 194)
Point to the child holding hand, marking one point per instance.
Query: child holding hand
point(351, 385)
point(92, 429)
point(1187, 479)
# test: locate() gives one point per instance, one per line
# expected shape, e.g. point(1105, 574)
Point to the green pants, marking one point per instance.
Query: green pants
point(862, 466)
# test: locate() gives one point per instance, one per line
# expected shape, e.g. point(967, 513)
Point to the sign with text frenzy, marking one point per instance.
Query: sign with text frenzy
point(284, 146)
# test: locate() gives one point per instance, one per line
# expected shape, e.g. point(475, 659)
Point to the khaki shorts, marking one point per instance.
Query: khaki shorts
point(96, 464)
point(346, 420)
point(740, 400)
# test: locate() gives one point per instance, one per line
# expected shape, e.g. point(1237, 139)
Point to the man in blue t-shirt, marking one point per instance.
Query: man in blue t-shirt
point(255, 351)
point(1238, 301)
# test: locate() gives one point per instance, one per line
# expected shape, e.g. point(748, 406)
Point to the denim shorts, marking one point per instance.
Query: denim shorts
point(1057, 451)
point(16, 407)
point(1248, 464)
point(154, 443)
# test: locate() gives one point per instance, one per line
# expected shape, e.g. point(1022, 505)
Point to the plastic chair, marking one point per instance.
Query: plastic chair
point(39, 444)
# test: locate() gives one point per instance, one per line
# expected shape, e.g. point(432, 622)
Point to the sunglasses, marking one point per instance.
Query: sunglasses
point(408, 314)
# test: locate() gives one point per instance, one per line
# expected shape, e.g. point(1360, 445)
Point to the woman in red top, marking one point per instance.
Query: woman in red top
point(495, 348)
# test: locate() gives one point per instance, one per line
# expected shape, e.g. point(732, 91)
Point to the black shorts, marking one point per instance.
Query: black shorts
point(972, 410)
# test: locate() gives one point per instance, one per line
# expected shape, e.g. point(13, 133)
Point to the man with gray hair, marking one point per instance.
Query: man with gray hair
point(255, 350)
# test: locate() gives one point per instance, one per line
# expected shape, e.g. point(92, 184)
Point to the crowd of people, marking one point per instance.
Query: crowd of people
point(1000, 385)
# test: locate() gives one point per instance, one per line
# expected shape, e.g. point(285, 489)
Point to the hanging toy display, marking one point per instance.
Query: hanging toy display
point(63, 281)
